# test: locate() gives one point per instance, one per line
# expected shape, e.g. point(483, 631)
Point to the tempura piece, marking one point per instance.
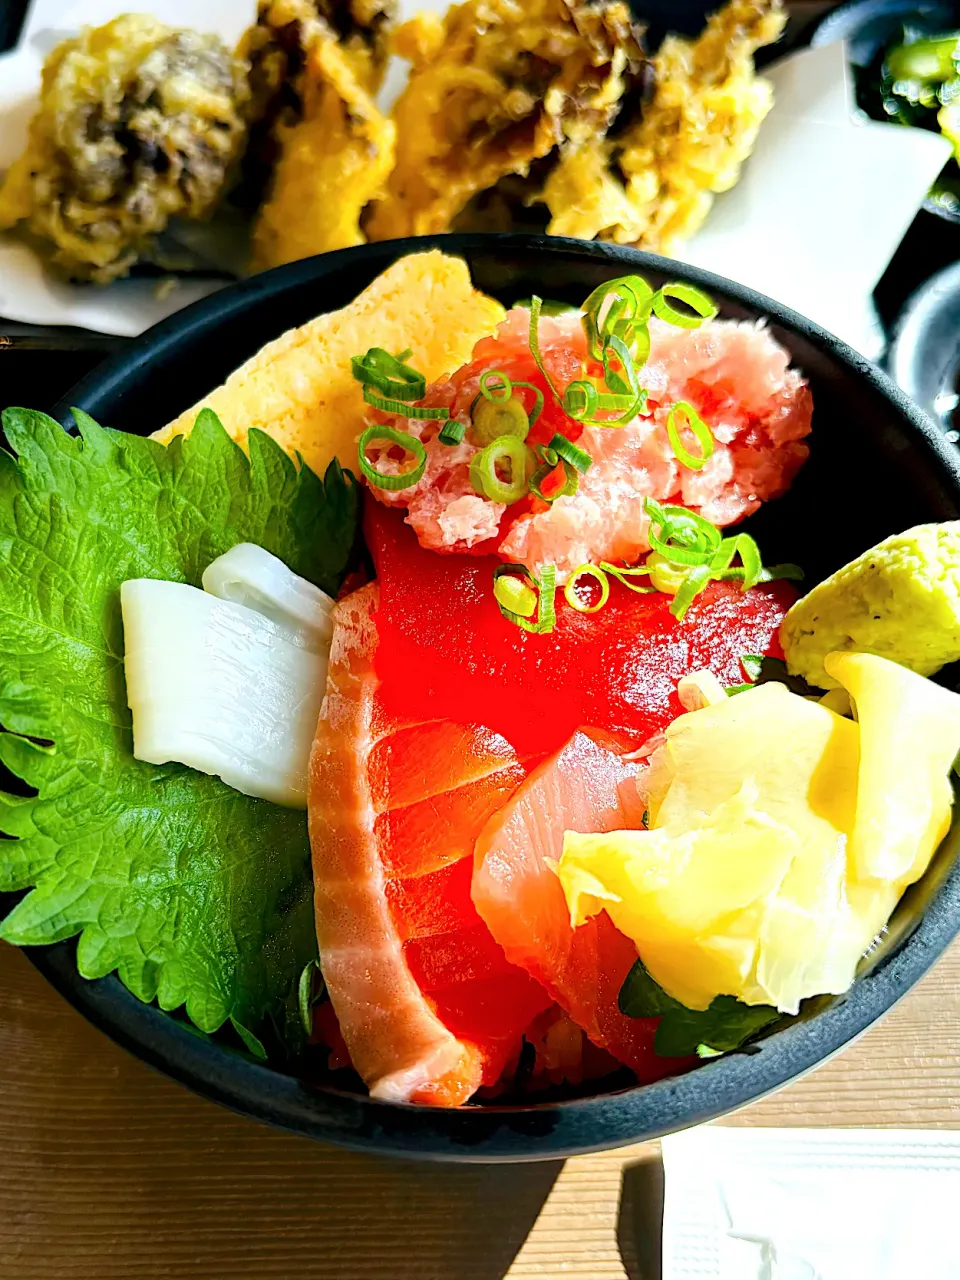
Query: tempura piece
point(495, 86)
point(138, 123)
point(315, 66)
point(652, 184)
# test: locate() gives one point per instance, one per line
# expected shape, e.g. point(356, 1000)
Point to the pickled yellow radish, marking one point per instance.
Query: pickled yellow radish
point(782, 836)
point(910, 736)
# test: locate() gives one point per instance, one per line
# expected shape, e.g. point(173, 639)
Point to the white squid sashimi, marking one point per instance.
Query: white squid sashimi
point(229, 680)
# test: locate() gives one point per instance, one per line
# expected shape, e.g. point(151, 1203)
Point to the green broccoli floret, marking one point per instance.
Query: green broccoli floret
point(899, 600)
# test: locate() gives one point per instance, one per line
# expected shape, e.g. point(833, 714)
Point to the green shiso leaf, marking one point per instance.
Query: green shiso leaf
point(196, 895)
point(682, 1031)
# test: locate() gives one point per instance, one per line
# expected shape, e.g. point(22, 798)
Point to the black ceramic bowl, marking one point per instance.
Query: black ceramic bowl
point(924, 356)
point(877, 465)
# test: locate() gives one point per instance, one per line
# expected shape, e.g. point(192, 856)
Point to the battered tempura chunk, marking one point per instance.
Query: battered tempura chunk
point(650, 182)
point(319, 143)
point(138, 123)
point(495, 86)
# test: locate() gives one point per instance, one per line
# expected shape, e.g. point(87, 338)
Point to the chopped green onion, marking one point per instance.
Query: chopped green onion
point(750, 572)
point(549, 461)
point(453, 432)
point(615, 321)
point(494, 418)
point(625, 384)
point(535, 306)
point(751, 565)
point(666, 577)
point(483, 470)
point(550, 306)
point(546, 586)
point(641, 346)
point(602, 573)
point(617, 307)
point(390, 385)
point(543, 472)
point(752, 664)
point(501, 393)
point(571, 482)
point(750, 559)
point(567, 450)
point(689, 552)
point(695, 581)
point(692, 420)
point(622, 574)
point(703, 306)
point(776, 572)
point(581, 400)
point(389, 436)
point(723, 556)
point(685, 537)
point(399, 406)
point(570, 590)
point(624, 323)
point(546, 608)
point(537, 409)
point(389, 374)
point(514, 596)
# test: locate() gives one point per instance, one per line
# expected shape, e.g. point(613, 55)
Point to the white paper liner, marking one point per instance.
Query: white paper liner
point(811, 1204)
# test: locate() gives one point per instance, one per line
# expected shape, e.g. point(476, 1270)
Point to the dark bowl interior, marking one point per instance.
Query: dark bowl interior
point(877, 465)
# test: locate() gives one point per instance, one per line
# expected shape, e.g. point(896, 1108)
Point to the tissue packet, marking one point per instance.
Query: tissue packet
point(811, 1204)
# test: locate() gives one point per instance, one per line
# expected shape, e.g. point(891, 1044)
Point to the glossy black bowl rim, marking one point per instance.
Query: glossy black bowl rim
point(926, 340)
point(491, 1133)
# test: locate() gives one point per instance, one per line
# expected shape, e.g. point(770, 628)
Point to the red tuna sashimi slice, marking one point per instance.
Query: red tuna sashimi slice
point(585, 787)
point(447, 651)
point(429, 1007)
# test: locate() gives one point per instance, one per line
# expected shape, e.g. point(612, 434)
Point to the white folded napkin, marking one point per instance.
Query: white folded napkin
point(811, 1204)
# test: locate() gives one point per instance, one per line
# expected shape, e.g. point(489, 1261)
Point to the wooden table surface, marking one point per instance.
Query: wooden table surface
point(109, 1170)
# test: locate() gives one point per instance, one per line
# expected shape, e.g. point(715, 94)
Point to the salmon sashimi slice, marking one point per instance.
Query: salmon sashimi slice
point(429, 1006)
point(585, 787)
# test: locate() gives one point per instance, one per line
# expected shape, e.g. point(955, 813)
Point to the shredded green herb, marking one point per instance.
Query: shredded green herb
point(682, 1032)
